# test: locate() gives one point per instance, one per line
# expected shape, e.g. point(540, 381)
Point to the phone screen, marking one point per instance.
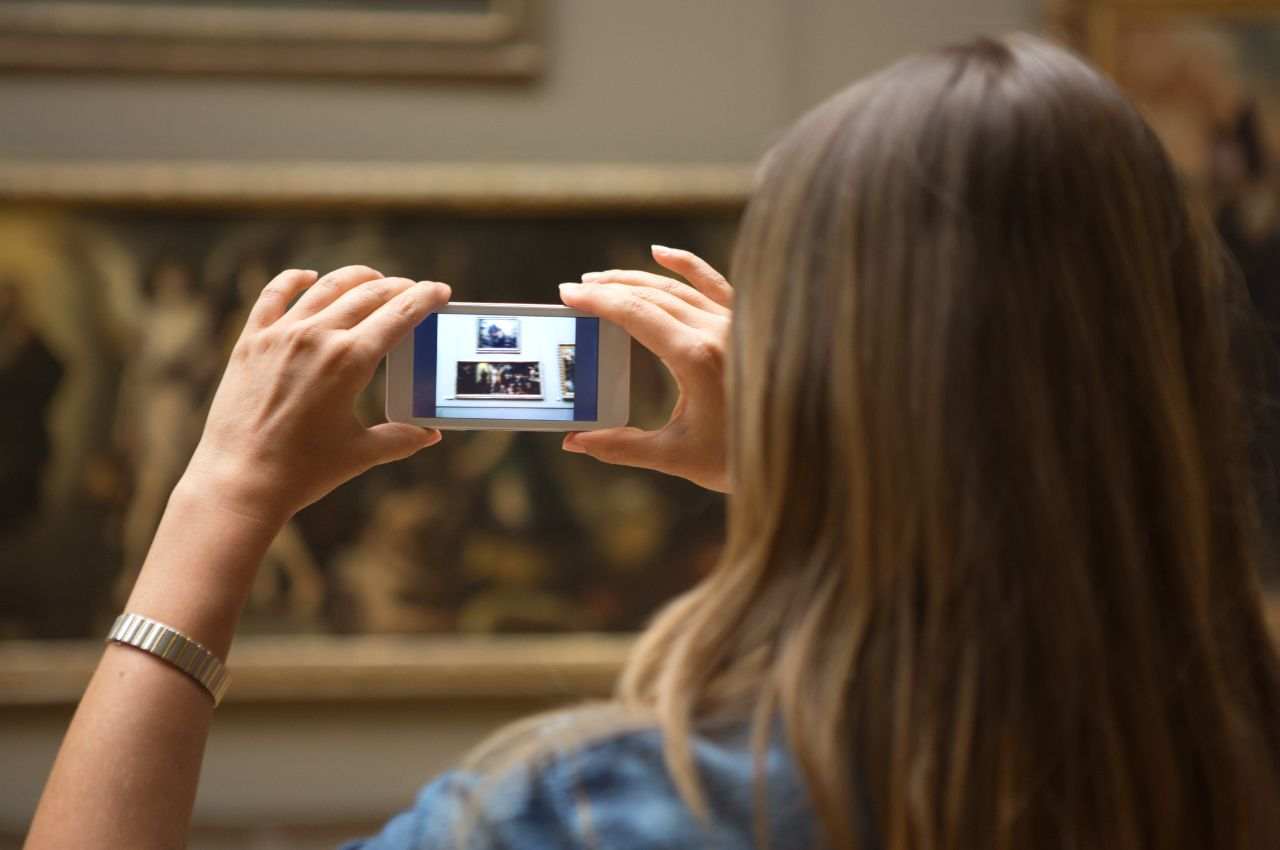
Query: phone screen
point(468, 366)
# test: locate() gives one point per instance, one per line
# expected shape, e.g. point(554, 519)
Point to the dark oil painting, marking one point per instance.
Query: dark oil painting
point(114, 327)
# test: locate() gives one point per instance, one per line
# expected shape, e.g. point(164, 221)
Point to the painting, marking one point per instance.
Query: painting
point(566, 371)
point(116, 316)
point(331, 38)
point(497, 335)
point(505, 380)
point(1206, 76)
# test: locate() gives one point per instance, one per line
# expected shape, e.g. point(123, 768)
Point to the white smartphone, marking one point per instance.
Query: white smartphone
point(511, 367)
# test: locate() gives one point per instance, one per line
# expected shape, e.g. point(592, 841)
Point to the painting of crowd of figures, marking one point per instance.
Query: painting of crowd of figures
point(114, 327)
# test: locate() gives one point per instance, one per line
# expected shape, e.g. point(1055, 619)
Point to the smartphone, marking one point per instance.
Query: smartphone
point(511, 367)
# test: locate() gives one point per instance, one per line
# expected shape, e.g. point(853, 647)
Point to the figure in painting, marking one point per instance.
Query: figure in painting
point(29, 378)
point(163, 394)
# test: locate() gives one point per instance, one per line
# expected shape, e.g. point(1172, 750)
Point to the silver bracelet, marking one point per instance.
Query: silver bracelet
point(174, 647)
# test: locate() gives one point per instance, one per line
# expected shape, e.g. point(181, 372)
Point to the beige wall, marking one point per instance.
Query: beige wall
point(658, 80)
point(339, 768)
point(651, 81)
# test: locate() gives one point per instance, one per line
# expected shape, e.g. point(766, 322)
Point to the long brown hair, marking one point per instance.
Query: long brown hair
point(992, 558)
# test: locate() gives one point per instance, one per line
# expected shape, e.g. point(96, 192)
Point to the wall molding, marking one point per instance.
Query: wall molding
point(466, 187)
point(351, 669)
point(499, 39)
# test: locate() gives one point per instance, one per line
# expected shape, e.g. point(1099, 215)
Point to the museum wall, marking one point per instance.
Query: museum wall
point(658, 81)
point(655, 82)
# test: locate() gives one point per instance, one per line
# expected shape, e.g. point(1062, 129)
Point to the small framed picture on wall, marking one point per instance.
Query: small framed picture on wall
point(497, 336)
point(566, 372)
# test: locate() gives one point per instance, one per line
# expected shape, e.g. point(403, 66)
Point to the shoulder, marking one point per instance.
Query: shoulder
point(627, 797)
point(612, 791)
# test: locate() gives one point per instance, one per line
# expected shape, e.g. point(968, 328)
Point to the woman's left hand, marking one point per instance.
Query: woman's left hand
point(282, 430)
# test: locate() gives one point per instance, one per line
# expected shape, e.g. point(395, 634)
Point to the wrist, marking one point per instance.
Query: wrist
point(202, 564)
point(232, 487)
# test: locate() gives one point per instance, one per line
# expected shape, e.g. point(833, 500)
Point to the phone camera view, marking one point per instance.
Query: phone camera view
point(467, 366)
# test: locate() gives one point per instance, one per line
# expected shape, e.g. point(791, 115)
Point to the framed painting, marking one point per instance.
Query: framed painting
point(496, 564)
point(381, 38)
point(496, 335)
point(506, 380)
point(1206, 73)
point(566, 371)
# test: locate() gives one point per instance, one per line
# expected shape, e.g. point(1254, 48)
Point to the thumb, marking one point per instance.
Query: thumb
point(623, 446)
point(396, 441)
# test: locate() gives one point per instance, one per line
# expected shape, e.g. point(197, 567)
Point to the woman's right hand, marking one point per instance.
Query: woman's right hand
point(282, 430)
point(687, 326)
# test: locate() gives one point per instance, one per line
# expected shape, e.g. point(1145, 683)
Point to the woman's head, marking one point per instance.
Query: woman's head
point(991, 554)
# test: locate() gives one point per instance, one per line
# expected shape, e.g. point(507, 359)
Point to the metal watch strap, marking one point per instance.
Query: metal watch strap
point(174, 647)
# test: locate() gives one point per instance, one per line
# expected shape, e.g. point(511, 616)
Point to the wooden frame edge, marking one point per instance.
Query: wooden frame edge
point(466, 187)
point(216, 22)
point(505, 41)
point(359, 669)
point(369, 668)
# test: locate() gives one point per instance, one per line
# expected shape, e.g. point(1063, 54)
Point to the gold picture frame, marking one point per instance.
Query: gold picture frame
point(367, 668)
point(468, 188)
point(78, 205)
point(485, 38)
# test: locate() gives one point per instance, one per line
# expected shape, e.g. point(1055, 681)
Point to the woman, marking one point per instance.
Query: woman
point(990, 576)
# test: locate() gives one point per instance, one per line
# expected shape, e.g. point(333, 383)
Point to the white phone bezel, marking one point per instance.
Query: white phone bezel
point(614, 387)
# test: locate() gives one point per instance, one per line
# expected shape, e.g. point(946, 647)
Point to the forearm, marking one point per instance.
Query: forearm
point(127, 771)
point(281, 433)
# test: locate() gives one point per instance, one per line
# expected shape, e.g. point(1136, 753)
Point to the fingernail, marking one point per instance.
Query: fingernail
point(571, 445)
point(660, 249)
point(590, 276)
point(433, 437)
point(569, 288)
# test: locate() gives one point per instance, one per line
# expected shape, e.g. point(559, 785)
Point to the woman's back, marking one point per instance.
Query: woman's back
point(991, 578)
point(992, 555)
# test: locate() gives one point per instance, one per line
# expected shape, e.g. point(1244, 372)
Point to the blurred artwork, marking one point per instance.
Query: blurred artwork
point(566, 370)
point(114, 327)
point(481, 379)
point(1210, 86)
point(1206, 75)
point(497, 336)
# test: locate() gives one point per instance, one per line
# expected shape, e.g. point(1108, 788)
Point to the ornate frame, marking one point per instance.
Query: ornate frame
point(471, 188)
point(501, 40)
point(367, 667)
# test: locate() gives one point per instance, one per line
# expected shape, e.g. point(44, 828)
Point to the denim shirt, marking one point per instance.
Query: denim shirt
point(614, 793)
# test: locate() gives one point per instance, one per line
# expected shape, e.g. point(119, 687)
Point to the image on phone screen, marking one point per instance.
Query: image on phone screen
point(470, 366)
